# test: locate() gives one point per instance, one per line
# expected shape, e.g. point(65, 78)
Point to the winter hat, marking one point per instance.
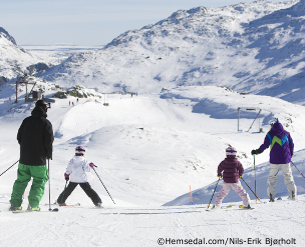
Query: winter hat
point(231, 151)
point(80, 150)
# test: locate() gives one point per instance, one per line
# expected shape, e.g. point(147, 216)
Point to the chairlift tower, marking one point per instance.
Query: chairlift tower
point(25, 80)
point(249, 109)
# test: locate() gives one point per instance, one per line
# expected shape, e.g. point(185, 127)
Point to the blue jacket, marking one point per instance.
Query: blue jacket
point(280, 143)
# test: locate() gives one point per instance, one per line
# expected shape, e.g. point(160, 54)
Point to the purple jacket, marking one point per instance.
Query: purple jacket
point(231, 168)
point(280, 143)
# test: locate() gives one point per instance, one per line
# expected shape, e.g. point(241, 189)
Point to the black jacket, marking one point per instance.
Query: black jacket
point(35, 137)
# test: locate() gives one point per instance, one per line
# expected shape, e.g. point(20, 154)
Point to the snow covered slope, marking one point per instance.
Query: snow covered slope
point(152, 148)
point(149, 149)
point(250, 47)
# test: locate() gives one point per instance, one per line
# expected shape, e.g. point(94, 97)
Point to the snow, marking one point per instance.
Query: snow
point(152, 148)
point(149, 150)
point(253, 47)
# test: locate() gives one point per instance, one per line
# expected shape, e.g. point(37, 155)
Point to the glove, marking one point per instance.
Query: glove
point(66, 176)
point(256, 151)
point(91, 165)
point(240, 176)
point(220, 176)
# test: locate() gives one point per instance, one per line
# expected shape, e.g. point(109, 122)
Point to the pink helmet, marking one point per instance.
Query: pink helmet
point(80, 150)
point(231, 151)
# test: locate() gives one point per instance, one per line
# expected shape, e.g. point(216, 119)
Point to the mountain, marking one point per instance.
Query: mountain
point(250, 47)
point(157, 154)
point(14, 60)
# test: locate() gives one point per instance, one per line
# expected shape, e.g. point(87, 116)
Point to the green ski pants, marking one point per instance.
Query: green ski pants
point(24, 175)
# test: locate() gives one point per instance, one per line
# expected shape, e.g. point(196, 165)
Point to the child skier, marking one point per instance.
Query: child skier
point(232, 170)
point(77, 168)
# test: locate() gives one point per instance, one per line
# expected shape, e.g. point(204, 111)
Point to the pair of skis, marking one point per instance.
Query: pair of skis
point(239, 207)
point(230, 207)
point(43, 211)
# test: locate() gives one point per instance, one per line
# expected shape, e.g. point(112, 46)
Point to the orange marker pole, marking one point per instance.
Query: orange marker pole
point(191, 196)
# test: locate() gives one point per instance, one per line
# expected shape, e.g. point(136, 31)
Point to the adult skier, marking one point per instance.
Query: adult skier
point(35, 137)
point(76, 173)
point(281, 150)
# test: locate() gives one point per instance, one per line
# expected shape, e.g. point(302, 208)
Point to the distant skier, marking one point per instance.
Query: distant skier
point(35, 137)
point(281, 150)
point(75, 171)
point(230, 169)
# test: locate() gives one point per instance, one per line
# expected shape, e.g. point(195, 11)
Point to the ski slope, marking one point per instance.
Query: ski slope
point(149, 150)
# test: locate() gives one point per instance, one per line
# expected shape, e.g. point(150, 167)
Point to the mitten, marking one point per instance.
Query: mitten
point(91, 165)
point(256, 151)
point(66, 176)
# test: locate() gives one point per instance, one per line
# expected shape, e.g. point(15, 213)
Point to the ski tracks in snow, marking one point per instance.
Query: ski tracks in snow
point(150, 226)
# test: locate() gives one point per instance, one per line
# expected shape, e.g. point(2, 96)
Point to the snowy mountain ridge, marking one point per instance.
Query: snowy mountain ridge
point(196, 47)
point(158, 153)
point(14, 60)
point(6, 35)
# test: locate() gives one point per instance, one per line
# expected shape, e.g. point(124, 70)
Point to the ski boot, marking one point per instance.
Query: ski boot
point(32, 209)
point(13, 208)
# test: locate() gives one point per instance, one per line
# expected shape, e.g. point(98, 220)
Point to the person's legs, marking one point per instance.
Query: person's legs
point(272, 180)
point(66, 193)
point(241, 192)
point(222, 193)
point(23, 177)
point(91, 193)
point(40, 177)
point(289, 181)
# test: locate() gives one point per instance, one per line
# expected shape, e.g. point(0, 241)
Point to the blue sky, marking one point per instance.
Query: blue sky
point(87, 22)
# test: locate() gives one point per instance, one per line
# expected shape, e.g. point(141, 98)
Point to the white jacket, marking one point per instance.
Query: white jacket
point(77, 169)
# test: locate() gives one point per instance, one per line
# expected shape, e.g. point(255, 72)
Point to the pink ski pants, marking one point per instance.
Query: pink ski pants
point(226, 187)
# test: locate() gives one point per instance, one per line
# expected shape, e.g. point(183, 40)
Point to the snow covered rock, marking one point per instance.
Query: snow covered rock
point(14, 60)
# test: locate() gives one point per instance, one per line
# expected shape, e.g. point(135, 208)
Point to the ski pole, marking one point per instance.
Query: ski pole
point(257, 198)
point(298, 169)
point(254, 175)
point(66, 184)
point(63, 193)
point(214, 192)
point(103, 184)
point(9, 167)
point(50, 209)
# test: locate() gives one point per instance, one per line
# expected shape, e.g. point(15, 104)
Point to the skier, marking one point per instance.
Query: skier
point(232, 170)
point(75, 171)
point(281, 150)
point(35, 137)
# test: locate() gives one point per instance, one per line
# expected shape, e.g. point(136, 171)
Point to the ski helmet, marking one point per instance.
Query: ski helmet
point(42, 103)
point(80, 150)
point(231, 151)
point(273, 121)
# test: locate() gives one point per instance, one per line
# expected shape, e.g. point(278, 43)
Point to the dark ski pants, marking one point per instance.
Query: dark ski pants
point(86, 188)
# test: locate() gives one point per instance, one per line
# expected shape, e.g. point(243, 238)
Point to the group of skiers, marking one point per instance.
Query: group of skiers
point(35, 136)
point(281, 150)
